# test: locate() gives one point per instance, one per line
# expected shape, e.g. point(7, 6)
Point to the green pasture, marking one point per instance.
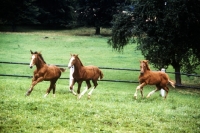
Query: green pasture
point(111, 109)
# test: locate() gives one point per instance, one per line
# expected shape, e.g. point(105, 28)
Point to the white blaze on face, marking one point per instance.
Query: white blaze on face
point(70, 62)
point(32, 58)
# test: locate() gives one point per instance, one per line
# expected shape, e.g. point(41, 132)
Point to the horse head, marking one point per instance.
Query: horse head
point(72, 60)
point(144, 66)
point(34, 58)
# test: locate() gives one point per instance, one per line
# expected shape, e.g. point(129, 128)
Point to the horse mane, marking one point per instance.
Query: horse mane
point(40, 55)
point(78, 59)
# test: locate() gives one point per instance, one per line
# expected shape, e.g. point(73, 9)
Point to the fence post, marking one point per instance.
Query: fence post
point(162, 91)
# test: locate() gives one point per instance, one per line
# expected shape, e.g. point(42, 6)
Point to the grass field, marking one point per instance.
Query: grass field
point(111, 108)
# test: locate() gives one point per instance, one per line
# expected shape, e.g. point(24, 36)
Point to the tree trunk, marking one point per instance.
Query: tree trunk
point(178, 75)
point(97, 30)
point(13, 27)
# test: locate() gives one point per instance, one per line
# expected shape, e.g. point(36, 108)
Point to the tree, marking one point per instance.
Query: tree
point(167, 33)
point(56, 13)
point(10, 11)
point(45, 12)
point(98, 13)
point(15, 12)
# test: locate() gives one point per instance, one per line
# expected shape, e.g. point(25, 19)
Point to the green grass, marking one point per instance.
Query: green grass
point(111, 108)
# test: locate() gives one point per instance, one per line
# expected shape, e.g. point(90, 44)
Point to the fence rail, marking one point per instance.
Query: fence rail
point(126, 69)
point(108, 80)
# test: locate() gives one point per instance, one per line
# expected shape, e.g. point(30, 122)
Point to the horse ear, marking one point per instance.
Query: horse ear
point(31, 51)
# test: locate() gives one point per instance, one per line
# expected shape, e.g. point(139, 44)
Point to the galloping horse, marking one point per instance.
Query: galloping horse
point(84, 73)
point(148, 77)
point(44, 72)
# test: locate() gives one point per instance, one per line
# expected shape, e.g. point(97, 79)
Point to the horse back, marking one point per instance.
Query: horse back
point(51, 72)
point(92, 72)
point(153, 78)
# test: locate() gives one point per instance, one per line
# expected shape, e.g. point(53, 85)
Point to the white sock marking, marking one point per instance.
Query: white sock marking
point(90, 93)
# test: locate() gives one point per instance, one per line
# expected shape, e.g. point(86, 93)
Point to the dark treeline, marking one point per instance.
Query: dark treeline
point(60, 13)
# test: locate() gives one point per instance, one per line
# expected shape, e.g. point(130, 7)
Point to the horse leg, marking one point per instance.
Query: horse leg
point(48, 89)
point(71, 87)
point(54, 90)
point(71, 79)
point(139, 87)
point(150, 93)
point(141, 91)
point(29, 91)
point(166, 90)
point(78, 90)
point(52, 86)
point(88, 86)
point(71, 83)
point(34, 82)
point(31, 88)
point(95, 85)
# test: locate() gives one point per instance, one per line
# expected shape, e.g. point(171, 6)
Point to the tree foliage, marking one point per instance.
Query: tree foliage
point(56, 12)
point(167, 33)
point(45, 12)
point(14, 12)
point(98, 13)
point(121, 31)
point(65, 13)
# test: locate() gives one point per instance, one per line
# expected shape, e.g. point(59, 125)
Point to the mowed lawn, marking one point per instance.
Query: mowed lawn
point(112, 107)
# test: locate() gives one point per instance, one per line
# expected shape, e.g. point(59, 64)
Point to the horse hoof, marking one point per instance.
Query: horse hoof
point(27, 94)
point(78, 97)
point(135, 96)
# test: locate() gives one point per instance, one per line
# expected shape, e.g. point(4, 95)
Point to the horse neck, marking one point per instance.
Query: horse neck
point(78, 66)
point(39, 63)
point(146, 71)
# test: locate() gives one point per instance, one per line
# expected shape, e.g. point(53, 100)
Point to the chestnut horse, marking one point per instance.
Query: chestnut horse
point(44, 72)
point(84, 73)
point(148, 77)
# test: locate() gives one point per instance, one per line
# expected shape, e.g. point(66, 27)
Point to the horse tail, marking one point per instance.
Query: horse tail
point(62, 69)
point(101, 74)
point(172, 83)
